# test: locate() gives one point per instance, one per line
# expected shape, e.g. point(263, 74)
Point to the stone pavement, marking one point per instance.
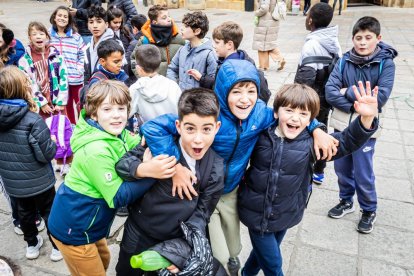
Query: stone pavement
point(319, 245)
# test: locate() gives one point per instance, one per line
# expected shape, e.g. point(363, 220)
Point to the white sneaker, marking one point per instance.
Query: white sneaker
point(65, 170)
point(40, 224)
point(32, 252)
point(56, 256)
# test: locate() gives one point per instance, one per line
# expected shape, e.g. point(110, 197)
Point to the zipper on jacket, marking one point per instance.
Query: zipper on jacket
point(90, 224)
point(279, 160)
point(234, 149)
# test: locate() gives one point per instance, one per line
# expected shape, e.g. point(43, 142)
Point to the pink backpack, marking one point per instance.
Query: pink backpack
point(60, 126)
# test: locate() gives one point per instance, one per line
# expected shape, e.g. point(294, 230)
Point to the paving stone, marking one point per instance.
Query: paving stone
point(317, 262)
point(120, 235)
point(396, 214)
point(116, 225)
point(391, 245)
point(406, 114)
point(375, 268)
point(114, 249)
point(389, 150)
point(406, 125)
point(390, 135)
point(390, 168)
point(328, 233)
point(395, 189)
point(408, 138)
point(410, 152)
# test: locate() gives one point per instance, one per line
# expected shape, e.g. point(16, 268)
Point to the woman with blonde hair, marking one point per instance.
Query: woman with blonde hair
point(265, 35)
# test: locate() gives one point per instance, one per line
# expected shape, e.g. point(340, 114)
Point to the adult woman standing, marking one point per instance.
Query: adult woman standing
point(265, 35)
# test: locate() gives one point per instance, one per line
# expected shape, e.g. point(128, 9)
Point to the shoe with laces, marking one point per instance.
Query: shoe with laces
point(32, 252)
point(233, 266)
point(366, 223)
point(56, 256)
point(281, 65)
point(344, 207)
point(40, 223)
point(17, 228)
point(318, 178)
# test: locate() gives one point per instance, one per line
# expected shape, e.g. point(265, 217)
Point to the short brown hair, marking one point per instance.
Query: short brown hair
point(200, 101)
point(297, 96)
point(116, 91)
point(14, 84)
point(229, 31)
point(148, 57)
point(154, 11)
point(37, 26)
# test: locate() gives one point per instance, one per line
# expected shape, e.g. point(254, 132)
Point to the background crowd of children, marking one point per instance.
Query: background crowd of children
point(122, 77)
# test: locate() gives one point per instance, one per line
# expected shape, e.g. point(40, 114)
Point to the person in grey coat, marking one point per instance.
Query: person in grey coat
point(265, 35)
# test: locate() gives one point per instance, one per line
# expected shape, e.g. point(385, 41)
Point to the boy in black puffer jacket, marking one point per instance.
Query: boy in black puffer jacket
point(274, 194)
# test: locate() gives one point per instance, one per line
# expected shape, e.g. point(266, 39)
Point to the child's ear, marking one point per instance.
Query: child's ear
point(230, 45)
point(379, 37)
point(154, 22)
point(275, 115)
point(218, 125)
point(102, 61)
point(197, 31)
point(177, 125)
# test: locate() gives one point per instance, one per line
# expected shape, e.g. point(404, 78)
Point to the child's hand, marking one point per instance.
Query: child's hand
point(159, 167)
point(147, 155)
point(58, 108)
point(173, 269)
point(366, 103)
point(183, 181)
point(325, 143)
point(53, 137)
point(47, 109)
point(195, 74)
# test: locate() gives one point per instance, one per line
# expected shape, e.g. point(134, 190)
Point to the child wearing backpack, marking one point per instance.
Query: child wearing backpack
point(369, 60)
point(47, 69)
point(319, 54)
point(196, 56)
point(26, 143)
point(65, 38)
point(274, 192)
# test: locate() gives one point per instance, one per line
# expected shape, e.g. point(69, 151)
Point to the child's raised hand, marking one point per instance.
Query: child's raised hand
point(195, 74)
point(366, 103)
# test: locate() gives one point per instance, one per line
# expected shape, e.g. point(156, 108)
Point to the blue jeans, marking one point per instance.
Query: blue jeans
point(356, 174)
point(266, 254)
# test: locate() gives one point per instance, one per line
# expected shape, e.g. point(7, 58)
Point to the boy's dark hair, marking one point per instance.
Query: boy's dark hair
point(321, 14)
point(154, 11)
point(148, 57)
point(229, 31)
point(39, 27)
point(197, 20)
point(138, 21)
point(367, 23)
point(107, 47)
point(98, 12)
point(297, 96)
point(200, 101)
point(70, 25)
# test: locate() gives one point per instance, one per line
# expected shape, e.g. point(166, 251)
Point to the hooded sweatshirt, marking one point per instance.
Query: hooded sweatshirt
point(154, 96)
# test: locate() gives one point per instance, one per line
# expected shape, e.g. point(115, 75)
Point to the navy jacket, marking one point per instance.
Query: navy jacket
point(347, 73)
point(274, 192)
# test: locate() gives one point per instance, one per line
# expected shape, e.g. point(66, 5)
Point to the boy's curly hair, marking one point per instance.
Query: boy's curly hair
point(154, 11)
point(197, 20)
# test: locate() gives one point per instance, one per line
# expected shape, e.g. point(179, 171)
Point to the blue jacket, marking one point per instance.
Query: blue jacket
point(15, 53)
point(274, 192)
point(379, 70)
point(235, 140)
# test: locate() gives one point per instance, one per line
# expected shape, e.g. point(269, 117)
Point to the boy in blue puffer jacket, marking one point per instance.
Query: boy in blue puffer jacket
point(243, 117)
point(274, 192)
point(369, 60)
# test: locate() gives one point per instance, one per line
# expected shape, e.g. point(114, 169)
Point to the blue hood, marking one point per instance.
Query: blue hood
point(231, 72)
point(16, 53)
point(387, 51)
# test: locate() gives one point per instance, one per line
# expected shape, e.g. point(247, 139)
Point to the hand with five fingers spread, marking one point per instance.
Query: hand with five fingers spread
point(159, 167)
point(366, 103)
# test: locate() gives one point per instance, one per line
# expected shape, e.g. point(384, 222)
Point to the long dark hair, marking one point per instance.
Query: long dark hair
point(70, 25)
point(114, 12)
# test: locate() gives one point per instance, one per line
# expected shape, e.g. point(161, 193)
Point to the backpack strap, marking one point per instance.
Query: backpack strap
point(99, 76)
point(317, 59)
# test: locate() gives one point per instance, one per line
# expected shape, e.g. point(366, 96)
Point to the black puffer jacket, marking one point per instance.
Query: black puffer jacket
point(81, 18)
point(26, 150)
point(274, 193)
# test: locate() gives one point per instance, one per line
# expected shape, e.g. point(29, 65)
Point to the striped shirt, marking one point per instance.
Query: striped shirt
point(72, 48)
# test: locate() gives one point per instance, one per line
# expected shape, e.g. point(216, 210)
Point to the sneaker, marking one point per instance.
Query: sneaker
point(340, 210)
point(17, 228)
point(233, 266)
point(366, 224)
point(281, 65)
point(32, 252)
point(318, 178)
point(65, 170)
point(40, 223)
point(56, 256)
point(122, 212)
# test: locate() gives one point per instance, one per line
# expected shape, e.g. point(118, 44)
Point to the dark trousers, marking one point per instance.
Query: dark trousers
point(265, 255)
point(340, 5)
point(13, 205)
point(356, 174)
point(306, 6)
point(27, 210)
point(322, 117)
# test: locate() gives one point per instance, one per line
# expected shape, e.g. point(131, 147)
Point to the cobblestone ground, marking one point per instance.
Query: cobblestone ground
point(319, 245)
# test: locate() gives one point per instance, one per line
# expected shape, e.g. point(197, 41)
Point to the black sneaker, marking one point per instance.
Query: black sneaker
point(233, 266)
point(366, 224)
point(344, 207)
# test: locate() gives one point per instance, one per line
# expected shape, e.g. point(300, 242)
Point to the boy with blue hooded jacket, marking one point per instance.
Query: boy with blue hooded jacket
point(243, 117)
point(369, 60)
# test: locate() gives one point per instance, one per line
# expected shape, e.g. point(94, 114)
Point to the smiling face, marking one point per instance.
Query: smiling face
point(115, 24)
point(242, 99)
point(38, 39)
point(292, 121)
point(197, 133)
point(112, 63)
point(365, 42)
point(62, 19)
point(163, 19)
point(97, 26)
point(111, 117)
